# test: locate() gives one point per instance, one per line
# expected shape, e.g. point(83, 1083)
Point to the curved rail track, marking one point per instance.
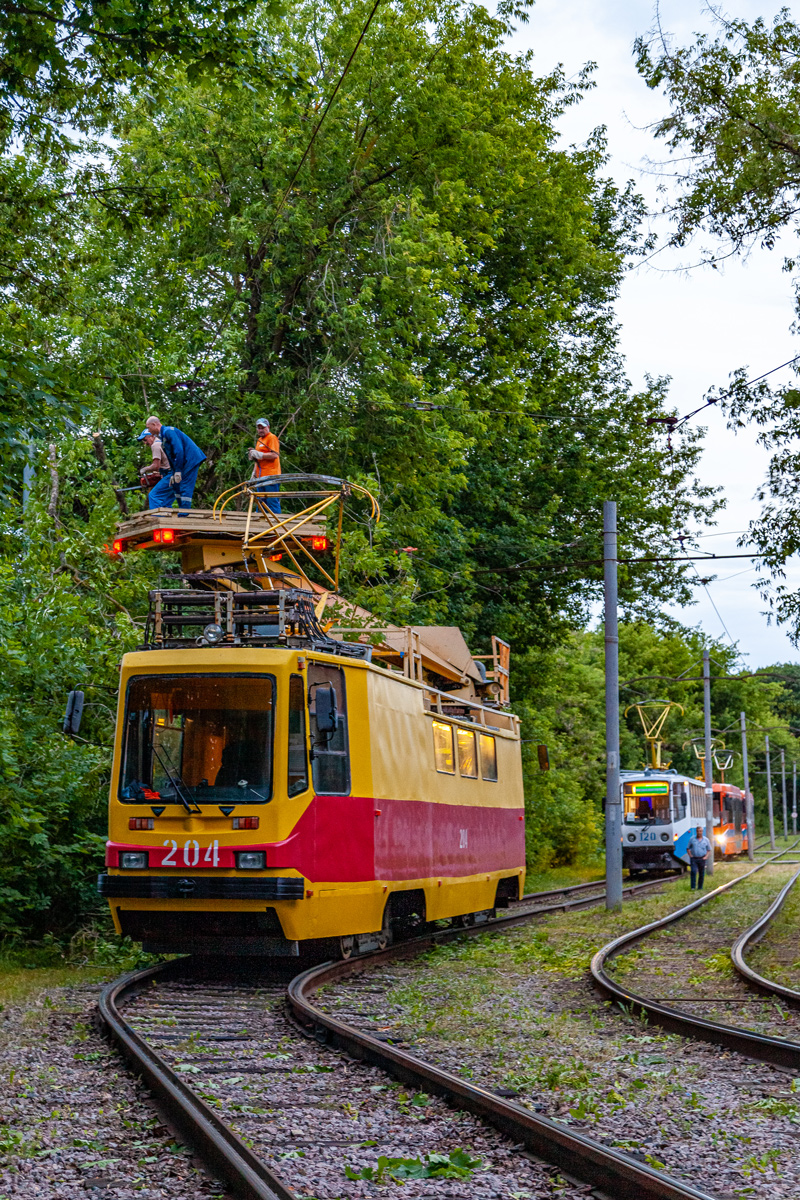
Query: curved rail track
point(754, 934)
point(177, 1015)
point(766, 1048)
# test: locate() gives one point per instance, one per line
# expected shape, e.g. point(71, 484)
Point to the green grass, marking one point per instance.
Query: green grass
point(18, 984)
point(93, 955)
point(554, 877)
point(485, 1005)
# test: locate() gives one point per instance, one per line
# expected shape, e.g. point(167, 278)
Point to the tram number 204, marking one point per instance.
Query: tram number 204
point(191, 854)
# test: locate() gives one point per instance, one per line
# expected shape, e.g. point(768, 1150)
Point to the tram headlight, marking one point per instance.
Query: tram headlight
point(665, 837)
point(133, 860)
point(251, 860)
point(719, 837)
point(631, 837)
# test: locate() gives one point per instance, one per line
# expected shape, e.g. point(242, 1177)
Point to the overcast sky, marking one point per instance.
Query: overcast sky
point(696, 327)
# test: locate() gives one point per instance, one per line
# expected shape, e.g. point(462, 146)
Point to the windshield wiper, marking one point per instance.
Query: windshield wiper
point(177, 783)
point(245, 786)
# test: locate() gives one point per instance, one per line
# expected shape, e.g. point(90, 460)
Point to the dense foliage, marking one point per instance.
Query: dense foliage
point(418, 292)
point(733, 128)
point(64, 622)
point(64, 68)
point(422, 304)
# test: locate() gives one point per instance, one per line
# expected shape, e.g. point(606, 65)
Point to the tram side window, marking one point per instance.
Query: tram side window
point(331, 763)
point(488, 757)
point(467, 754)
point(297, 780)
point(698, 801)
point(679, 806)
point(443, 747)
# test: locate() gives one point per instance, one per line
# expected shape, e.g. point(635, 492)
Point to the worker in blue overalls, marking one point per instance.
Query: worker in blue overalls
point(185, 458)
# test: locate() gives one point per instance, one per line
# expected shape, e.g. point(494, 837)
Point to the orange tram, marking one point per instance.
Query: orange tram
point(277, 788)
point(730, 821)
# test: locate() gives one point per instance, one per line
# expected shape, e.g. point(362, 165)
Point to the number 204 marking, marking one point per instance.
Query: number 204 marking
point(191, 853)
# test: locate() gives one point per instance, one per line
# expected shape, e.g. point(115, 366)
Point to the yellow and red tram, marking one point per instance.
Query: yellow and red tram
point(274, 788)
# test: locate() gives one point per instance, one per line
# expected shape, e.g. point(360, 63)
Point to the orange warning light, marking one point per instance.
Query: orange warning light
point(165, 536)
point(319, 543)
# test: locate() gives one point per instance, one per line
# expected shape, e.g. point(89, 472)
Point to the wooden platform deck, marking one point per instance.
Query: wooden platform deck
point(199, 524)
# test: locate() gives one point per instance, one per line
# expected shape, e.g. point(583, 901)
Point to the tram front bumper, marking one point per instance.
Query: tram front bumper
point(649, 858)
point(198, 887)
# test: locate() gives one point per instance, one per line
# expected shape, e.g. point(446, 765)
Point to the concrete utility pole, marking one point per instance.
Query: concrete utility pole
point(613, 800)
point(783, 793)
point(769, 800)
point(708, 764)
point(794, 799)
point(748, 799)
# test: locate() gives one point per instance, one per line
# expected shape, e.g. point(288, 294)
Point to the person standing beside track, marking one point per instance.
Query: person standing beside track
point(184, 458)
point(699, 849)
point(266, 461)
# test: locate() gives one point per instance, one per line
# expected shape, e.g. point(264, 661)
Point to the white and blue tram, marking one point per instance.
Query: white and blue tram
point(660, 811)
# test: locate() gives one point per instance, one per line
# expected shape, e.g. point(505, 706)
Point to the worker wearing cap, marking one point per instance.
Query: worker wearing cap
point(266, 462)
point(159, 465)
point(184, 458)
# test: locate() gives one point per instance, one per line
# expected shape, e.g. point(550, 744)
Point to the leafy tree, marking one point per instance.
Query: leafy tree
point(734, 107)
point(61, 60)
point(733, 128)
point(559, 695)
point(787, 706)
point(422, 303)
point(63, 69)
point(67, 613)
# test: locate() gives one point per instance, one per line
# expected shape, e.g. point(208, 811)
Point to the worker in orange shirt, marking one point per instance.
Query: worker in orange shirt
point(266, 462)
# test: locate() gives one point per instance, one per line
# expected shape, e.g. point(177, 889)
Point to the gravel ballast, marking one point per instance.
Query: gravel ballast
point(73, 1122)
point(312, 1113)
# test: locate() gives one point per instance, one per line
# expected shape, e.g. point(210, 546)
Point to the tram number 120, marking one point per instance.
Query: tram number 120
point(191, 854)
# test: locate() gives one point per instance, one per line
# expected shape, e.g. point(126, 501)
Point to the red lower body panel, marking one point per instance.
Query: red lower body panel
point(348, 839)
point(351, 838)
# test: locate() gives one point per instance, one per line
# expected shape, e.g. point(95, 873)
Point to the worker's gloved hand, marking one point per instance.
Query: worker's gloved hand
point(176, 478)
point(253, 454)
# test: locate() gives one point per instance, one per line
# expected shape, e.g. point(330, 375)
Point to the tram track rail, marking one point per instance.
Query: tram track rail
point(762, 1047)
point(754, 934)
point(610, 1171)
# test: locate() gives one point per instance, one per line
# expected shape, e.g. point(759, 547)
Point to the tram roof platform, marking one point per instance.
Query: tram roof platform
point(138, 532)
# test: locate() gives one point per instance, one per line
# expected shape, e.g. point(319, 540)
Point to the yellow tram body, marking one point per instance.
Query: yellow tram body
point(276, 786)
point(399, 772)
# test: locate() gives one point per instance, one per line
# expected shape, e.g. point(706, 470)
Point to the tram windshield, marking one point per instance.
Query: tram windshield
point(646, 800)
point(198, 738)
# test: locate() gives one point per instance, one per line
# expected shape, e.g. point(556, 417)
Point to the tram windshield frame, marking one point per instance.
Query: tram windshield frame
point(646, 802)
point(202, 738)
